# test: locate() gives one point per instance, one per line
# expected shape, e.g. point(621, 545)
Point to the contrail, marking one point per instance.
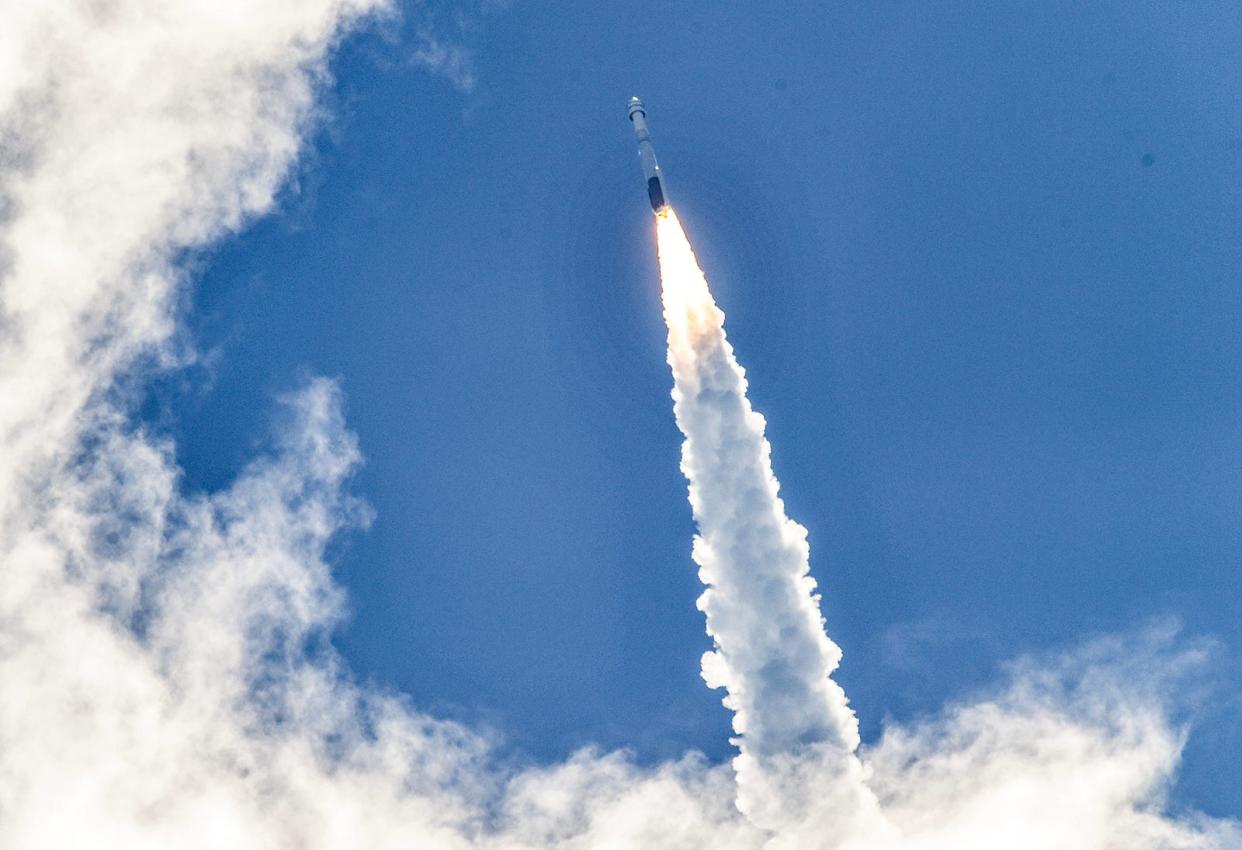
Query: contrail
point(796, 733)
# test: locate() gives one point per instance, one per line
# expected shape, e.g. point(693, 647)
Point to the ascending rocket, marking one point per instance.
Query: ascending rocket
point(646, 155)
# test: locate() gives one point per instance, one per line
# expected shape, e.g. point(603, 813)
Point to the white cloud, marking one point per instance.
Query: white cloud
point(440, 39)
point(165, 679)
point(453, 61)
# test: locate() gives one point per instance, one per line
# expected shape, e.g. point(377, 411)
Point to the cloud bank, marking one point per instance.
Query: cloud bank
point(166, 675)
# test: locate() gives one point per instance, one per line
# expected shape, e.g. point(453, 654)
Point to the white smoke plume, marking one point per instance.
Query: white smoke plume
point(796, 732)
point(798, 773)
point(166, 674)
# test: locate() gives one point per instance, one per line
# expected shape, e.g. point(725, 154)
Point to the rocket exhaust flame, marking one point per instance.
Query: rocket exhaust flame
point(771, 652)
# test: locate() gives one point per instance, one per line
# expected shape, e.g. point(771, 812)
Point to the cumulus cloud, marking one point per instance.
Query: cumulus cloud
point(166, 674)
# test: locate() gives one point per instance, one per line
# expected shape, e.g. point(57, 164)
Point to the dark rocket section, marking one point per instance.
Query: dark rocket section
point(646, 156)
point(656, 193)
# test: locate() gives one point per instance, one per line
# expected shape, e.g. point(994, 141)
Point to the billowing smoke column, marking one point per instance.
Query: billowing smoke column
point(796, 732)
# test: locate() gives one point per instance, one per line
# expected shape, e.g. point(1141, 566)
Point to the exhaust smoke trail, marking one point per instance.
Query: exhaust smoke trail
point(1091, 743)
point(796, 733)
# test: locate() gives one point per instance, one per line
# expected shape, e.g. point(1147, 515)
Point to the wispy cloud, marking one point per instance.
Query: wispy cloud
point(443, 41)
point(454, 62)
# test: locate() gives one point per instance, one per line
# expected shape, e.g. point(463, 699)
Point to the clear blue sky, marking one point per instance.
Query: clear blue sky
point(982, 265)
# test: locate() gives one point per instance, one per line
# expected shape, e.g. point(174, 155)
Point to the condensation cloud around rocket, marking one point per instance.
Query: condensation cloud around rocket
point(165, 681)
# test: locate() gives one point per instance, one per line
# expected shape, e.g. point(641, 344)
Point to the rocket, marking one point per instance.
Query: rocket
point(646, 156)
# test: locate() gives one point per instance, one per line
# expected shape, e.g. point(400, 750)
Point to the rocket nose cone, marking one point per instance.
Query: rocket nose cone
point(635, 105)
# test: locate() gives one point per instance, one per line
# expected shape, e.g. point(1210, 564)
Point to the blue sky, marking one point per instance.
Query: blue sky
point(981, 267)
